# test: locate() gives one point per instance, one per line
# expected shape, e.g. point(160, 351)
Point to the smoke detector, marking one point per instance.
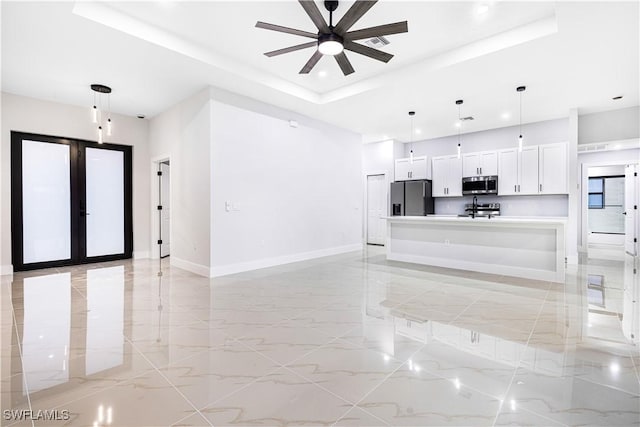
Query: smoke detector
point(377, 42)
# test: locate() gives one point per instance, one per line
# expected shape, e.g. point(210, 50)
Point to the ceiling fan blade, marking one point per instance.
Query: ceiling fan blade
point(291, 49)
point(344, 63)
point(312, 10)
point(359, 8)
point(311, 62)
point(380, 30)
point(287, 30)
point(367, 51)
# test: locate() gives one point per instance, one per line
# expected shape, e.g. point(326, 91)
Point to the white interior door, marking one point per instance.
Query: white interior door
point(630, 202)
point(376, 209)
point(105, 201)
point(165, 213)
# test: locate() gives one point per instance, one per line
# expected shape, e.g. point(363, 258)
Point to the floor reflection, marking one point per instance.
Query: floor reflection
point(351, 339)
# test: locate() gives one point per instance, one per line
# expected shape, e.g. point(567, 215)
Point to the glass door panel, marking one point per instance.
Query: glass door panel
point(46, 202)
point(105, 202)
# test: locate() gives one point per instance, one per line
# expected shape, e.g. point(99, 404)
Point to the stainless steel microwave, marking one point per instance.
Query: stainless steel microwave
point(480, 185)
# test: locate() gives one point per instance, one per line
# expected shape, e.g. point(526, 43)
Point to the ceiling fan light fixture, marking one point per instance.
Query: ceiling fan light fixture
point(330, 44)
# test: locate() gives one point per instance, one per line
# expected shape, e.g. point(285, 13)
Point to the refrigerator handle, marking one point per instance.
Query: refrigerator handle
point(424, 185)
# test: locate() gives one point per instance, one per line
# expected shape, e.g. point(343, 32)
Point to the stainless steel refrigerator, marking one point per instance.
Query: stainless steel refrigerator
point(411, 198)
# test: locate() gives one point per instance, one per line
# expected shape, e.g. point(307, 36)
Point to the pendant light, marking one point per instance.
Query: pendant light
point(411, 115)
point(459, 103)
point(96, 111)
point(520, 89)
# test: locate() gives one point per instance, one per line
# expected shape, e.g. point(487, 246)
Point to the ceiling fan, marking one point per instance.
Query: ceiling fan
point(333, 40)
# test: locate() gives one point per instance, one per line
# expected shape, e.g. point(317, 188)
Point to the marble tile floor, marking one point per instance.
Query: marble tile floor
point(342, 340)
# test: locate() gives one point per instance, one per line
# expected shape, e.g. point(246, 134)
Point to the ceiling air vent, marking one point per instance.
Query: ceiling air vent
point(464, 119)
point(377, 42)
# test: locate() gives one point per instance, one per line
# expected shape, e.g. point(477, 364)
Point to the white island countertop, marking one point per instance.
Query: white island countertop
point(530, 247)
point(482, 220)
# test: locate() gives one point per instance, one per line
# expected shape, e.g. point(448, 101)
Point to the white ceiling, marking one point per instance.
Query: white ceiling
point(154, 54)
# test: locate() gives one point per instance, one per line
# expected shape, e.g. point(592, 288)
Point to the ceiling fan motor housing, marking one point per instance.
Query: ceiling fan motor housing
point(331, 37)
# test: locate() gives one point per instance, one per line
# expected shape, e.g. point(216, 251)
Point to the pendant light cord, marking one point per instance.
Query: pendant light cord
point(459, 124)
point(521, 114)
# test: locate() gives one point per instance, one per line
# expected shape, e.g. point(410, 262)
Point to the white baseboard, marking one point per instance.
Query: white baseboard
point(140, 254)
point(6, 269)
point(224, 270)
point(199, 269)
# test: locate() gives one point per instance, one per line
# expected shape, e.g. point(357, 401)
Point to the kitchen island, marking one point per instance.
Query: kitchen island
point(532, 248)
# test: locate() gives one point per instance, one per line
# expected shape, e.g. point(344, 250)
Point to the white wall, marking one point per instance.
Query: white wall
point(295, 193)
point(49, 118)
point(183, 133)
point(534, 134)
point(378, 157)
point(609, 125)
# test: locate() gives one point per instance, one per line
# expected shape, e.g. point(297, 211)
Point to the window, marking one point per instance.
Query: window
point(596, 193)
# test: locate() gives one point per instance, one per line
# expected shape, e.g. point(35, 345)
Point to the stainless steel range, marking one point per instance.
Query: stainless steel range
point(482, 209)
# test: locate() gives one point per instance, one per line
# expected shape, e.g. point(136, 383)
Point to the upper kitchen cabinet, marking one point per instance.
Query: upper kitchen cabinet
point(518, 171)
point(407, 170)
point(552, 169)
point(447, 176)
point(484, 163)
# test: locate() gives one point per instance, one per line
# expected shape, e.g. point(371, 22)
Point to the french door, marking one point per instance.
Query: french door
point(71, 201)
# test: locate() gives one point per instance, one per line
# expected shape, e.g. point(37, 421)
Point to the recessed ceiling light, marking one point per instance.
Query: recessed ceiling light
point(322, 73)
point(418, 131)
point(482, 9)
point(457, 124)
point(615, 98)
point(505, 116)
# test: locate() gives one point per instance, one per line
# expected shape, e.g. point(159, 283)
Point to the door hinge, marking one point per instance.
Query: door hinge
point(159, 207)
point(635, 174)
point(159, 173)
point(160, 241)
point(635, 206)
point(635, 240)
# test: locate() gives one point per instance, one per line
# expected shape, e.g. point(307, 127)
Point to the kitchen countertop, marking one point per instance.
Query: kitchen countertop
point(480, 220)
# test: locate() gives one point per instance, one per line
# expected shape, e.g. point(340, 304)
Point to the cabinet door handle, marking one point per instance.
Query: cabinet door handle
point(541, 188)
point(477, 171)
point(515, 188)
point(480, 171)
point(423, 189)
point(518, 188)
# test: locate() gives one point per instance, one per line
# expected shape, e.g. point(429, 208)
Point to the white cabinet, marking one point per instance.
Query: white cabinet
point(540, 169)
point(407, 170)
point(480, 164)
point(447, 176)
point(518, 171)
point(552, 169)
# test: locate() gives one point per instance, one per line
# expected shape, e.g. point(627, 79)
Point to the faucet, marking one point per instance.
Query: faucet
point(475, 207)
